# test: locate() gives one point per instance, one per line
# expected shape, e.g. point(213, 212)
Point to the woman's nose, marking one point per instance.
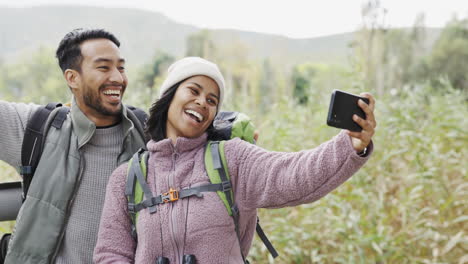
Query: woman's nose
point(200, 101)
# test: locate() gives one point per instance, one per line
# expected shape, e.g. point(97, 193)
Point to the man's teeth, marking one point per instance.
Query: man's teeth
point(197, 115)
point(112, 92)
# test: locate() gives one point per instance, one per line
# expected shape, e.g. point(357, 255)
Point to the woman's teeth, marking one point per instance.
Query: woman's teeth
point(195, 114)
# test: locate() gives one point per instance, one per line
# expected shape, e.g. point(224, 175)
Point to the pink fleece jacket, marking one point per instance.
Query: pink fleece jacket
point(202, 226)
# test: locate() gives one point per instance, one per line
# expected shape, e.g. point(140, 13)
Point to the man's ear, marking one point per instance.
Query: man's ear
point(73, 78)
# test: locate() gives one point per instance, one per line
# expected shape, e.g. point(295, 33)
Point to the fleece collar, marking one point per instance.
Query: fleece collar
point(182, 144)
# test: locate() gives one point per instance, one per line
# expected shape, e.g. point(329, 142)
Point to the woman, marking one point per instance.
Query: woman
point(179, 125)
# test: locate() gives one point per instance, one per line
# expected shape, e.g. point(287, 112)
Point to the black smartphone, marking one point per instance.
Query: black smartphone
point(343, 106)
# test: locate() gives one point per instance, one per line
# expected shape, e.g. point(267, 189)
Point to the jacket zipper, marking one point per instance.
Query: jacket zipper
point(70, 202)
point(175, 231)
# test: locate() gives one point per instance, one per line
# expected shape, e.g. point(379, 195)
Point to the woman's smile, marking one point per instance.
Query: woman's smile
point(195, 115)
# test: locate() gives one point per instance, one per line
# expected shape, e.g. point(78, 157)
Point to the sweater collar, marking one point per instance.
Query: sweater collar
point(182, 144)
point(85, 128)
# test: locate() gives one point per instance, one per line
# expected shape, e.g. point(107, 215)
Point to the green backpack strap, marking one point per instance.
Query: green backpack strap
point(136, 188)
point(216, 167)
point(215, 164)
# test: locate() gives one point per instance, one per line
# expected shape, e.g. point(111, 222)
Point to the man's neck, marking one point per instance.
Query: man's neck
point(100, 120)
point(104, 121)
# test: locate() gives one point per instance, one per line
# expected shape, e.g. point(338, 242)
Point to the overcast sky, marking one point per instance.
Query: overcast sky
point(293, 18)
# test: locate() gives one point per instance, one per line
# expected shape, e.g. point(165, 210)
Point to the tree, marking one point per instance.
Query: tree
point(35, 77)
point(266, 86)
point(449, 56)
point(388, 58)
point(201, 44)
point(155, 69)
point(301, 77)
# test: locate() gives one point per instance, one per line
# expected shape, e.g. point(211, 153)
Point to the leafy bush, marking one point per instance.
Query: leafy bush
point(408, 204)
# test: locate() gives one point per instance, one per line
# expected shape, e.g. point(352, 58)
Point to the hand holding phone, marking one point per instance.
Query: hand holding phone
point(343, 106)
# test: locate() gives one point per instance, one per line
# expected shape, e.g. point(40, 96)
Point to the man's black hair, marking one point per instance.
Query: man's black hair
point(156, 124)
point(69, 52)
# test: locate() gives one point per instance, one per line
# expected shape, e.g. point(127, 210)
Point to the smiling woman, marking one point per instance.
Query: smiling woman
point(187, 221)
point(191, 96)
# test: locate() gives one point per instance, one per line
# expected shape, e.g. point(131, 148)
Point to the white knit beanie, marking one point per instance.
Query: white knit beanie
point(192, 66)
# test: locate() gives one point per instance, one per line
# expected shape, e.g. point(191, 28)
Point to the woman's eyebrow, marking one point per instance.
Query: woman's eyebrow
point(214, 95)
point(201, 87)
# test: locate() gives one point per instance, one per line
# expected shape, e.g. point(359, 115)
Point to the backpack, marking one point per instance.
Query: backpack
point(31, 152)
point(139, 196)
point(35, 132)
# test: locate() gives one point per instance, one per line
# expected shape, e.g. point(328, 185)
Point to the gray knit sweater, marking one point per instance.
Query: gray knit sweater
point(100, 158)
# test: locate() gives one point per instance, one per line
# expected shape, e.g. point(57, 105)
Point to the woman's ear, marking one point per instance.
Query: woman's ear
point(72, 77)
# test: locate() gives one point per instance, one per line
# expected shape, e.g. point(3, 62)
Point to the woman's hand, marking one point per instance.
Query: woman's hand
point(362, 139)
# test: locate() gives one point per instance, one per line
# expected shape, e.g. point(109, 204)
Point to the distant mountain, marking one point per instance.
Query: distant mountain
point(143, 32)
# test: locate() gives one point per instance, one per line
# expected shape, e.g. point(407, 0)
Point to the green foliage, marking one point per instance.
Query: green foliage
point(408, 203)
point(151, 75)
point(156, 68)
point(449, 57)
point(201, 44)
point(301, 77)
point(266, 86)
point(35, 77)
point(386, 59)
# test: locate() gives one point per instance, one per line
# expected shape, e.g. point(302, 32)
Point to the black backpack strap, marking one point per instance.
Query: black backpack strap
point(140, 114)
point(4, 247)
point(265, 239)
point(31, 149)
point(60, 117)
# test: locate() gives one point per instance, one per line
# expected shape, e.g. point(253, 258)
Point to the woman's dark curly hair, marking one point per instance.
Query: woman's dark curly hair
point(156, 124)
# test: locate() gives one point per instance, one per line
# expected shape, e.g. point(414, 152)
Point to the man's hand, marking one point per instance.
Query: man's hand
point(362, 139)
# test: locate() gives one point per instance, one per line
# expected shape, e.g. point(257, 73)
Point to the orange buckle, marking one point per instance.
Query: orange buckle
point(171, 196)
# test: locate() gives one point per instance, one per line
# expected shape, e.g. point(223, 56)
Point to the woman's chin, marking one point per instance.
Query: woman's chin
point(193, 135)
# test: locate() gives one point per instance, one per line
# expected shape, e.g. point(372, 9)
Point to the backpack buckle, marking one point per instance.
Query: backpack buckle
point(25, 170)
point(131, 208)
point(170, 196)
point(226, 186)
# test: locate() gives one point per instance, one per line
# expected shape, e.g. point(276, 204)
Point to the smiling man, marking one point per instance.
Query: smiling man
point(99, 83)
point(59, 219)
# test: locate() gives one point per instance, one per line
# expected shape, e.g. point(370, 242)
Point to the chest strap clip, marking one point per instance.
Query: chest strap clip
point(170, 196)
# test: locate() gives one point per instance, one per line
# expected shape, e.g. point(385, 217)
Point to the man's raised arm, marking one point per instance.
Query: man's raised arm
point(13, 120)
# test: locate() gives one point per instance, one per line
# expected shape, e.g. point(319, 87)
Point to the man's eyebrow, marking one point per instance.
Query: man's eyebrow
point(201, 87)
point(121, 60)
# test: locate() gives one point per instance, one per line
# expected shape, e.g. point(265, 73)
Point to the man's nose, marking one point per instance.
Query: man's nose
point(116, 76)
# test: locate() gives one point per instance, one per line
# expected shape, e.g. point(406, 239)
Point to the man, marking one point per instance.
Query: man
point(59, 219)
